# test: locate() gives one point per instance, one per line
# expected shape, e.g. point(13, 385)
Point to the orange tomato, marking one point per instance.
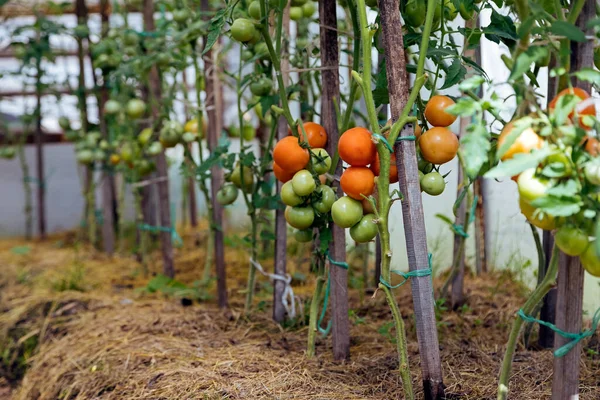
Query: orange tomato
point(418, 131)
point(358, 181)
point(288, 154)
point(438, 145)
point(315, 133)
point(367, 207)
point(376, 168)
point(323, 179)
point(356, 147)
point(592, 145)
point(585, 107)
point(281, 174)
point(527, 141)
point(435, 111)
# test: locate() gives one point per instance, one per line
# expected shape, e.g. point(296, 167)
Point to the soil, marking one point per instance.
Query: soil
point(75, 324)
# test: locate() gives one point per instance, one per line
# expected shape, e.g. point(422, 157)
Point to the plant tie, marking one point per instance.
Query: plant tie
point(458, 229)
point(156, 229)
point(382, 139)
point(341, 264)
point(407, 275)
point(288, 300)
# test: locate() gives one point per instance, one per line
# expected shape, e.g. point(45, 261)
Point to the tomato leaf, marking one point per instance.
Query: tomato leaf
point(471, 83)
point(475, 66)
point(526, 59)
point(464, 107)
point(518, 128)
point(216, 25)
point(476, 144)
point(445, 219)
point(588, 74)
point(568, 30)
point(380, 93)
point(564, 106)
point(501, 29)
point(455, 74)
point(325, 237)
point(565, 189)
point(267, 101)
point(562, 206)
point(519, 163)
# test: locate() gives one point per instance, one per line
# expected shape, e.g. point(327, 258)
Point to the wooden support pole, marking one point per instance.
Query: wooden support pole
point(161, 160)
point(569, 304)
point(191, 183)
point(39, 146)
point(457, 296)
point(280, 267)
point(412, 205)
point(337, 249)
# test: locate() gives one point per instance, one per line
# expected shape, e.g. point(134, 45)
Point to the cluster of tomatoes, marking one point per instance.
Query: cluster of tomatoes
point(573, 162)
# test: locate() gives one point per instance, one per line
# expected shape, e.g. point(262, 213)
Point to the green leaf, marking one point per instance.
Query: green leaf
point(558, 206)
point(588, 74)
point(518, 128)
point(464, 107)
point(325, 237)
point(216, 25)
point(564, 106)
point(568, 30)
point(474, 82)
point(380, 93)
point(20, 250)
point(501, 29)
point(475, 145)
point(455, 74)
point(526, 59)
point(597, 242)
point(444, 219)
point(266, 102)
point(519, 163)
point(568, 188)
point(475, 66)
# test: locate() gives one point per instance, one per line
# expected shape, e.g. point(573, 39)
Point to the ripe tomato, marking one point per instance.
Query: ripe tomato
point(242, 30)
point(227, 194)
point(435, 111)
point(288, 196)
point(303, 183)
point(571, 240)
point(281, 174)
point(346, 212)
point(356, 147)
point(236, 178)
point(433, 183)
point(527, 141)
point(135, 108)
point(289, 155)
point(590, 261)
point(299, 217)
point(545, 222)
point(591, 145)
point(367, 206)
point(418, 131)
point(320, 160)
point(115, 159)
point(192, 127)
point(326, 199)
point(375, 167)
point(438, 145)
point(357, 182)
point(585, 107)
point(315, 133)
point(303, 236)
point(531, 187)
point(365, 230)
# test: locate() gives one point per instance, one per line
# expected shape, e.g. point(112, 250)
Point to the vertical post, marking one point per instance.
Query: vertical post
point(191, 184)
point(412, 205)
point(569, 304)
point(161, 160)
point(215, 123)
point(337, 248)
point(457, 291)
point(280, 223)
point(39, 146)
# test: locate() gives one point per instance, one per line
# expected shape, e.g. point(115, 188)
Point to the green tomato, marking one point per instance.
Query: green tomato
point(597, 57)
point(144, 136)
point(248, 132)
point(144, 167)
point(227, 194)
point(261, 50)
point(465, 12)
point(571, 240)
point(433, 183)
point(346, 212)
point(262, 86)
point(242, 30)
point(236, 178)
point(288, 196)
point(298, 3)
point(8, 152)
point(181, 15)
point(531, 187)
point(296, 13)
point(104, 145)
point(560, 164)
point(254, 10)
point(189, 137)
point(592, 172)
point(64, 123)
point(450, 11)
point(274, 3)
point(81, 31)
point(365, 230)
point(303, 183)
point(170, 134)
point(135, 108)
point(320, 160)
point(85, 156)
point(326, 199)
point(424, 166)
point(299, 217)
point(155, 149)
point(247, 55)
point(301, 43)
point(233, 131)
point(308, 9)
point(99, 155)
point(371, 3)
point(414, 13)
point(590, 261)
point(112, 107)
point(303, 236)
point(130, 39)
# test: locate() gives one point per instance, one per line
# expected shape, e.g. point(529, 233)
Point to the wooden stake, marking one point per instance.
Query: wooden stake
point(481, 266)
point(337, 248)
point(280, 267)
point(161, 160)
point(412, 206)
point(191, 183)
point(39, 145)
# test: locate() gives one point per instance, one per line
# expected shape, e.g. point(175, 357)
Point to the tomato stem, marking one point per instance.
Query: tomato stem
point(314, 308)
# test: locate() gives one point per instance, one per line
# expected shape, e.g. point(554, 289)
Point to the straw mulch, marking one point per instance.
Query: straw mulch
point(107, 340)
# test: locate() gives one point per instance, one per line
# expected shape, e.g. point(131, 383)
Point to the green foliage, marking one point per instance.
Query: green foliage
point(173, 288)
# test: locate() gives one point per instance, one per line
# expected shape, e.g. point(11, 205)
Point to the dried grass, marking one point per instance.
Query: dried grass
point(110, 342)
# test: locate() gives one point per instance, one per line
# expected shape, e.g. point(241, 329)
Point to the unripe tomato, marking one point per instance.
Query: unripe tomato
point(8, 152)
point(527, 141)
point(192, 127)
point(104, 145)
point(371, 3)
point(112, 107)
point(261, 50)
point(346, 212)
point(585, 107)
point(571, 240)
point(365, 230)
point(236, 178)
point(227, 194)
point(242, 30)
point(320, 160)
point(438, 145)
point(248, 132)
point(296, 13)
point(298, 3)
point(288, 196)
point(435, 111)
point(262, 86)
point(144, 167)
point(254, 10)
point(561, 164)
point(303, 236)
point(181, 15)
point(590, 261)
point(303, 183)
point(64, 123)
point(465, 13)
point(301, 43)
point(135, 108)
point(85, 156)
point(189, 137)
point(597, 57)
point(130, 39)
point(154, 149)
point(246, 55)
point(99, 155)
point(170, 134)
point(450, 11)
point(144, 136)
point(545, 222)
point(530, 186)
point(424, 165)
point(308, 9)
point(414, 13)
point(126, 152)
point(281, 174)
point(299, 217)
point(433, 183)
point(326, 199)
point(592, 172)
